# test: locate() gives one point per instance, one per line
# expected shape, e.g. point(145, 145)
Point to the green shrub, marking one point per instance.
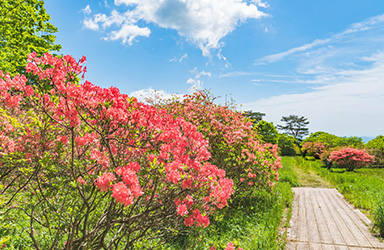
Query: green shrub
point(287, 145)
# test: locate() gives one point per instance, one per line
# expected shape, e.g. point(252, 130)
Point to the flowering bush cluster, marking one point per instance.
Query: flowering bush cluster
point(103, 169)
point(351, 158)
point(233, 143)
point(314, 149)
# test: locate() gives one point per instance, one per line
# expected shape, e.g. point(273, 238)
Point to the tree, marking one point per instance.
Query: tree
point(24, 28)
point(376, 148)
point(288, 145)
point(377, 143)
point(295, 126)
point(255, 117)
point(268, 132)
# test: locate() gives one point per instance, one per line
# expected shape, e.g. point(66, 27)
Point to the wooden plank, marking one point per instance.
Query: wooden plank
point(313, 230)
point(324, 231)
point(331, 220)
point(293, 231)
point(328, 246)
point(302, 226)
point(302, 246)
point(315, 246)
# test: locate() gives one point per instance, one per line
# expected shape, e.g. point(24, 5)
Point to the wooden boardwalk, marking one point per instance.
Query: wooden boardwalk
point(323, 219)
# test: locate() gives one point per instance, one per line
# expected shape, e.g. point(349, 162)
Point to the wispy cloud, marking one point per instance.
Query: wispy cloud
point(237, 74)
point(182, 58)
point(346, 35)
point(202, 22)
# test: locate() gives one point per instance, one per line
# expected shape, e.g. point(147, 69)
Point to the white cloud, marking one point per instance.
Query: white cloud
point(90, 24)
point(144, 95)
point(128, 33)
point(202, 22)
point(87, 10)
point(349, 104)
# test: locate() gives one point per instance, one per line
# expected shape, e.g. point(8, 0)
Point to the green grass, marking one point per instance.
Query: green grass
point(299, 172)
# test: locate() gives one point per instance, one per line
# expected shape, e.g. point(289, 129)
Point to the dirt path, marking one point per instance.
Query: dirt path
point(323, 219)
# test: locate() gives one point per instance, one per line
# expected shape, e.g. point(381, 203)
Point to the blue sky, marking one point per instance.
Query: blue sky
point(320, 59)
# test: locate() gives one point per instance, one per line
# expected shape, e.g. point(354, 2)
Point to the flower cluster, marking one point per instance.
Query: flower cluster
point(314, 148)
point(351, 158)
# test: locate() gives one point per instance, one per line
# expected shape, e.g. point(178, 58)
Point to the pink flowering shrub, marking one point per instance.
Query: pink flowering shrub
point(351, 158)
point(233, 143)
point(101, 168)
point(314, 149)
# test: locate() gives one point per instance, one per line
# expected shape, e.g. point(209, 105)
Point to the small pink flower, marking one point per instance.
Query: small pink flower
point(81, 181)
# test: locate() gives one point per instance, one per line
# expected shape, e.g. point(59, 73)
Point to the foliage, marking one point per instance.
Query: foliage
point(24, 27)
point(379, 157)
point(267, 132)
point(376, 143)
point(288, 145)
point(234, 145)
point(352, 141)
point(330, 141)
point(350, 158)
point(255, 117)
point(376, 148)
point(91, 168)
point(295, 126)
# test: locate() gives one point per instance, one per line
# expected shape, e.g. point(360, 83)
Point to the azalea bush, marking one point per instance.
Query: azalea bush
point(314, 149)
point(350, 158)
point(92, 168)
point(233, 143)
